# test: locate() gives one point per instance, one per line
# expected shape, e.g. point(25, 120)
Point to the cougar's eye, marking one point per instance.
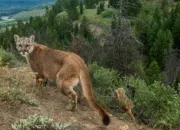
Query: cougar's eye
point(27, 45)
point(19, 45)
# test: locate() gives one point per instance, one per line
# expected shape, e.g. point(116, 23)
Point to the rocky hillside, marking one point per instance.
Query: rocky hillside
point(50, 103)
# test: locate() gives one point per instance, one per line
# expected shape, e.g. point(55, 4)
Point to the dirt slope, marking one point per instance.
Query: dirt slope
point(52, 104)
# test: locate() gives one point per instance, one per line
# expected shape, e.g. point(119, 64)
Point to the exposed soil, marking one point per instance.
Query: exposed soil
point(52, 104)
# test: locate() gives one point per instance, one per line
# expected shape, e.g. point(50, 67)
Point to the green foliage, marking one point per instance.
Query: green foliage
point(103, 80)
point(84, 28)
point(142, 26)
point(90, 4)
point(113, 22)
point(76, 29)
point(15, 94)
point(101, 5)
point(162, 45)
point(81, 8)
point(153, 73)
point(6, 58)
point(176, 32)
point(107, 14)
point(130, 7)
point(98, 10)
point(155, 103)
point(48, 30)
point(39, 122)
point(72, 9)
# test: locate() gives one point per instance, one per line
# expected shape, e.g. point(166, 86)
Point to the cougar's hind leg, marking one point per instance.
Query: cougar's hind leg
point(66, 86)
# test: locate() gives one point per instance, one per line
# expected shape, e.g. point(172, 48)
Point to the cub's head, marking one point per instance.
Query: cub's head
point(120, 93)
point(25, 45)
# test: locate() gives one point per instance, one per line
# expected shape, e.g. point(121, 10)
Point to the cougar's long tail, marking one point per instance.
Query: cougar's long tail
point(86, 86)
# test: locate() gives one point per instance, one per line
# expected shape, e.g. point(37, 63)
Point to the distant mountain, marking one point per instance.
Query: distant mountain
point(9, 7)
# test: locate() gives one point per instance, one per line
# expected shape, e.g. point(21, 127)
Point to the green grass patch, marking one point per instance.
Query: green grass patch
point(107, 14)
point(91, 14)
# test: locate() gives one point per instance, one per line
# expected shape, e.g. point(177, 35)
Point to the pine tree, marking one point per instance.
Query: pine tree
point(142, 26)
point(72, 9)
point(81, 8)
point(176, 32)
point(98, 10)
point(76, 29)
point(153, 72)
point(47, 10)
point(114, 22)
point(161, 47)
point(90, 4)
point(101, 6)
point(130, 7)
point(84, 28)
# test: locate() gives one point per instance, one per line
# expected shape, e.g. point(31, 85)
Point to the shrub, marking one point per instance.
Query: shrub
point(39, 122)
point(16, 94)
point(7, 58)
point(155, 104)
point(102, 78)
point(107, 14)
point(104, 82)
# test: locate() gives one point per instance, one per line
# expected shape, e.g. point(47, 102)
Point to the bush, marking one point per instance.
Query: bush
point(13, 95)
point(102, 78)
point(104, 82)
point(156, 104)
point(39, 122)
point(7, 58)
point(107, 14)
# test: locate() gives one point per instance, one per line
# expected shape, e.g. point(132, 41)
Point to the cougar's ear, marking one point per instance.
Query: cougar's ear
point(32, 37)
point(16, 37)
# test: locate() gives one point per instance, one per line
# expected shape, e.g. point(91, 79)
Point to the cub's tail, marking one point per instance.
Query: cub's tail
point(86, 86)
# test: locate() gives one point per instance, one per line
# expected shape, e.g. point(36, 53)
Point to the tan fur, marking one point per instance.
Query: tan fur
point(127, 104)
point(67, 68)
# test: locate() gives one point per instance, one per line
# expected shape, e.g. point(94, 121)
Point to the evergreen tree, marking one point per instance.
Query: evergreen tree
point(114, 22)
point(47, 10)
point(151, 34)
point(90, 4)
point(101, 5)
point(153, 72)
point(98, 10)
point(142, 25)
point(72, 9)
point(84, 28)
point(161, 47)
point(176, 32)
point(81, 8)
point(157, 16)
point(76, 29)
point(130, 7)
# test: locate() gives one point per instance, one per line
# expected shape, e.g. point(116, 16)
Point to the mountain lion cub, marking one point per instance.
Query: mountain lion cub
point(67, 68)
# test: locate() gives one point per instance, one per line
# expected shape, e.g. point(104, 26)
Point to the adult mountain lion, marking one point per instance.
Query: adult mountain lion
point(67, 68)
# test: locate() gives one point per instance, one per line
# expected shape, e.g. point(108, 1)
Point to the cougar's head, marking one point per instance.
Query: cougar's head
point(25, 45)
